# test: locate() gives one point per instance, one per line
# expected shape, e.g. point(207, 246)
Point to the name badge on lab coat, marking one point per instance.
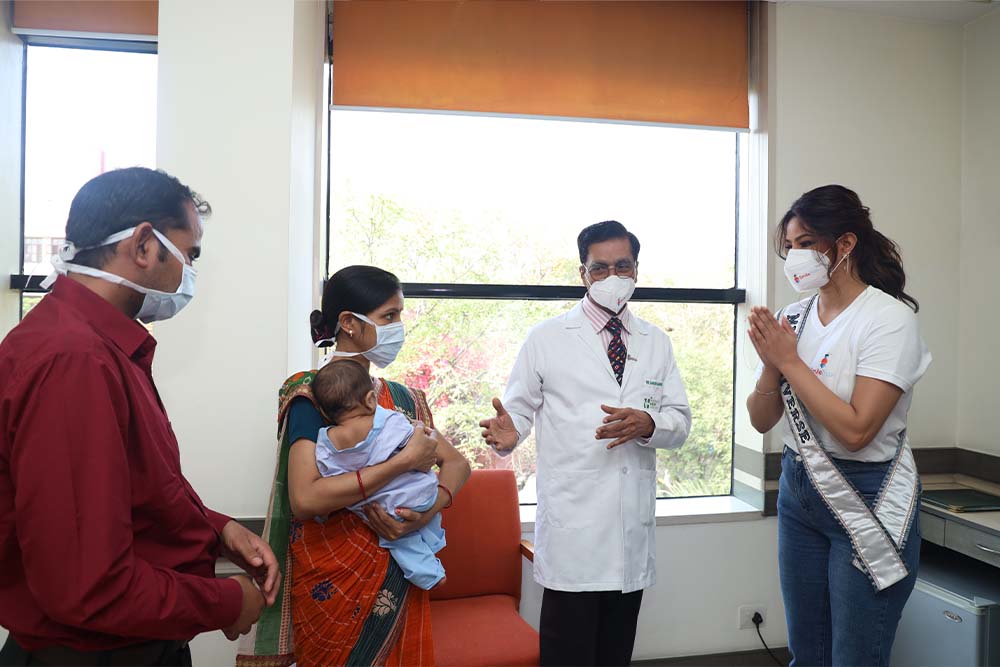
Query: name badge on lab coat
point(651, 402)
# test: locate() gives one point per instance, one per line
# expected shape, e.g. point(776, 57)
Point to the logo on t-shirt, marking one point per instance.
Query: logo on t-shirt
point(822, 364)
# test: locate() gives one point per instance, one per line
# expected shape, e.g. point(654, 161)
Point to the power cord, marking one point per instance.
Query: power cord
point(757, 619)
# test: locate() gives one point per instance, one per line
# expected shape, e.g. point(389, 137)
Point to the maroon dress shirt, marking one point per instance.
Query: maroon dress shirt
point(103, 543)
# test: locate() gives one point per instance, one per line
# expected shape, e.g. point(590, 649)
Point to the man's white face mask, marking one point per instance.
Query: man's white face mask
point(156, 305)
point(612, 292)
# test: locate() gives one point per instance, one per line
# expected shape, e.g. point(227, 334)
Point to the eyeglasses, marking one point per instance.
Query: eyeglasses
point(600, 271)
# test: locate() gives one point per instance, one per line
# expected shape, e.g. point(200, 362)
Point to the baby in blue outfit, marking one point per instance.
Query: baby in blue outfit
point(364, 434)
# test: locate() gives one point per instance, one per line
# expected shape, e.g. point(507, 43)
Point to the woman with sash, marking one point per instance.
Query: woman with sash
point(344, 599)
point(839, 368)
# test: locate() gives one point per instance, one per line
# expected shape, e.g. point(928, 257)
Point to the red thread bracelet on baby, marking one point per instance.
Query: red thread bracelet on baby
point(361, 485)
point(451, 498)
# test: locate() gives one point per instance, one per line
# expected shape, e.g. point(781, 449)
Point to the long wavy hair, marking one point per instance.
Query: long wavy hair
point(831, 211)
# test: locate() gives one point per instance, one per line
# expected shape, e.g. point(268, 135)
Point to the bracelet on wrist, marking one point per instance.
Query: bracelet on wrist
point(361, 485)
point(766, 393)
point(451, 498)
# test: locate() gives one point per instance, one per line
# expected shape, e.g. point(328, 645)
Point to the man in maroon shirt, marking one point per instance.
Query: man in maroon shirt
point(107, 555)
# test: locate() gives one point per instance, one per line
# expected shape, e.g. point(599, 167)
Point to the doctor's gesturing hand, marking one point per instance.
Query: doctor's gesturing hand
point(624, 424)
point(499, 432)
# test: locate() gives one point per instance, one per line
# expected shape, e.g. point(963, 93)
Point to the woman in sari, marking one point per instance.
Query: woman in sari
point(344, 599)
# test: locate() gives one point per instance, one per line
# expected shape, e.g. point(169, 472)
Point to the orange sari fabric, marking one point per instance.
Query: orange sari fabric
point(338, 572)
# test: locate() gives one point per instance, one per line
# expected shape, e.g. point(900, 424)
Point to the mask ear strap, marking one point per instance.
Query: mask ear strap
point(174, 250)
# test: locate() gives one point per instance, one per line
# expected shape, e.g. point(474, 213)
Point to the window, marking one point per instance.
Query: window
point(485, 210)
point(33, 250)
point(86, 112)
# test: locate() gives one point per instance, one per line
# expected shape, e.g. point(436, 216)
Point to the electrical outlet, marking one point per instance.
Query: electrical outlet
point(746, 616)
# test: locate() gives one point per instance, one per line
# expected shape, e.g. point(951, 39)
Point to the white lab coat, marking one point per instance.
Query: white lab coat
point(595, 525)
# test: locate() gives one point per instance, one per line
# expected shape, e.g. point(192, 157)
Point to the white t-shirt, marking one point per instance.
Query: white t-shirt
point(876, 336)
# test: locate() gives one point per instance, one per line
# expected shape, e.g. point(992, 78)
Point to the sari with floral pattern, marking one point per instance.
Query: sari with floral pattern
point(343, 599)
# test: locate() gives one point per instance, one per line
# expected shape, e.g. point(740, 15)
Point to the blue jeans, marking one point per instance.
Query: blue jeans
point(835, 616)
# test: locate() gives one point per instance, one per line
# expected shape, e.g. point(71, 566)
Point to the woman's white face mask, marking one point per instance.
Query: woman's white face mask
point(156, 305)
point(389, 340)
point(808, 269)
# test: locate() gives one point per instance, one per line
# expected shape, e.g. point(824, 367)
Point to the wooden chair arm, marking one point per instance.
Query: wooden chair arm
point(528, 550)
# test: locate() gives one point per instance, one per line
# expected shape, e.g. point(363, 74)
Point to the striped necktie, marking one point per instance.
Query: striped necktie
point(616, 348)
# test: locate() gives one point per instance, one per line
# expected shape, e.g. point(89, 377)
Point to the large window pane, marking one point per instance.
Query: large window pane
point(479, 199)
point(459, 198)
point(86, 112)
point(461, 352)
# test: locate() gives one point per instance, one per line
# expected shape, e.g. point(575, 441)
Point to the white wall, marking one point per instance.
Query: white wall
point(705, 572)
point(240, 112)
point(240, 97)
point(874, 103)
point(980, 302)
point(11, 61)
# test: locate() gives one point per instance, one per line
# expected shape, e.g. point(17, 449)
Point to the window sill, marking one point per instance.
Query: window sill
point(669, 512)
point(678, 511)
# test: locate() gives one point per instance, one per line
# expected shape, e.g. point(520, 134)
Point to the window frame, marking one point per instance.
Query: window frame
point(30, 283)
point(734, 296)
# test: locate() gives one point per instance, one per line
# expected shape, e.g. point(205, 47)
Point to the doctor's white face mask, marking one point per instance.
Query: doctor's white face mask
point(613, 292)
point(156, 305)
point(389, 340)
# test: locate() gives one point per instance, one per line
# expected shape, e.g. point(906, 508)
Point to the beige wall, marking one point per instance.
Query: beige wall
point(979, 363)
point(874, 103)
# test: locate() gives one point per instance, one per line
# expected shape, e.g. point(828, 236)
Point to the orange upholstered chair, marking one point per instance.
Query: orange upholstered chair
point(474, 614)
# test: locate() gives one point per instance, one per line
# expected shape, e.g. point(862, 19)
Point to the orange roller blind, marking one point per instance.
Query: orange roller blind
point(667, 62)
point(120, 17)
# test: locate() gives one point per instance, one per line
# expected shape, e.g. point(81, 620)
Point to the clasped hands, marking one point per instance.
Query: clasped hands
point(620, 425)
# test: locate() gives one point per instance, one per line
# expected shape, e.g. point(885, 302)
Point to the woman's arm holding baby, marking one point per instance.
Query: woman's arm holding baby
point(453, 472)
point(313, 495)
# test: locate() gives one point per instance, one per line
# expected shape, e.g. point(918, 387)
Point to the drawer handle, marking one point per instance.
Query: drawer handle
point(987, 549)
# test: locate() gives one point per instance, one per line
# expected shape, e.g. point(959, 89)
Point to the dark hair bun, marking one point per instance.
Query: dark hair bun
point(319, 329)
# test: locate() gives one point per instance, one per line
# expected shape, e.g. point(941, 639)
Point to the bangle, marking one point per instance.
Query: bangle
point(765, 393)
point(361, 485)
point(451, 498)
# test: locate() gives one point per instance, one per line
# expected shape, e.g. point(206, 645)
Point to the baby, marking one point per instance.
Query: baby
point(364, 434)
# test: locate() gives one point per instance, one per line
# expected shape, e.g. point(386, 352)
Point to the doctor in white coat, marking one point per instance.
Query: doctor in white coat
point(603, 391)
